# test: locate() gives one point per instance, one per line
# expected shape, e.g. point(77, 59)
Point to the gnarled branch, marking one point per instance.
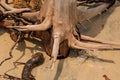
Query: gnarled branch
point(11, 9)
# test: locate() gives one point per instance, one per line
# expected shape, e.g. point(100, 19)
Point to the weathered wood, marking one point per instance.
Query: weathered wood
point(60, 17)
point(36, 60)
point(47, 40)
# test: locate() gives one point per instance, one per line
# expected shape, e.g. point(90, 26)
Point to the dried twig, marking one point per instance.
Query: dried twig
point(10, 52)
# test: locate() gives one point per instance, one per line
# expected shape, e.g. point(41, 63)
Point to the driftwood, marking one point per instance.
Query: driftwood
point(57, 19)
point(36, 60)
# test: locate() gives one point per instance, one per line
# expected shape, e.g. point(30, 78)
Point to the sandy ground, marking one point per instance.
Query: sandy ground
point(75, 67)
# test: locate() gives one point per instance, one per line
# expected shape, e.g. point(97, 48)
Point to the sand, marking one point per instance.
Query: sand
point(74, 67)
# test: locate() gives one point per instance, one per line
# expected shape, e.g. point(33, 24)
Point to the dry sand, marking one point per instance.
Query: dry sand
point(106, 26)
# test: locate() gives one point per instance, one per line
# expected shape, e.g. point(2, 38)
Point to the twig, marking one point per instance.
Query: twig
point(10, 52)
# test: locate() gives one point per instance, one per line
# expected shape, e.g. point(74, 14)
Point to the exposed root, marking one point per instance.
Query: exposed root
point(15, 34)
point(99, 41)
point(83, 45)
point(45, 36)
point(16, 11)
point(61, 17)
point(46, 24)
point(90, 13)
point(10, 52)
point(9, 77)
point(11, 9)
point(36, 60)
point(55, 50)
point(30, 16)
